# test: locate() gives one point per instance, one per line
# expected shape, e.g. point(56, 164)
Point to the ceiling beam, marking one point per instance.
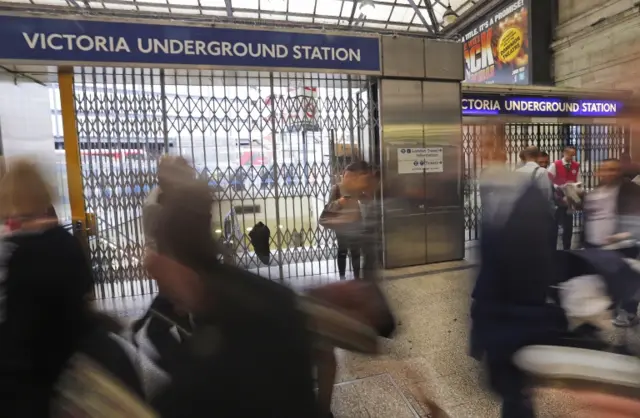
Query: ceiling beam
point(353, 13)
point(227, 4)
point(415, 7)
point(432, 16)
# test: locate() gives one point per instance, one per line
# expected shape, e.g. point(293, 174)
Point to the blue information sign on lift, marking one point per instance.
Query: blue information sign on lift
point(54, 41)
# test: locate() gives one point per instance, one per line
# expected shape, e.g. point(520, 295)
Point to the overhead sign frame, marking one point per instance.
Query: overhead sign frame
point(539, 106)
point(60, 40)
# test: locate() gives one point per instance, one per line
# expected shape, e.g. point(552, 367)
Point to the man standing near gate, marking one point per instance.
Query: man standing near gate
point(564, 171)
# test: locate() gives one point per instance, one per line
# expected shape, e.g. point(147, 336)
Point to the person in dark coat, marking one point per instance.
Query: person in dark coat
point(630, 169)
point(611, 212)
point(45, 283)
point(510, 306)
point(250, 353)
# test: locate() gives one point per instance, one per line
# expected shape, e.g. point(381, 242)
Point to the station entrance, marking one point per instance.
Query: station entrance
point(590, 121)
point(270, 145)
point(268, 127)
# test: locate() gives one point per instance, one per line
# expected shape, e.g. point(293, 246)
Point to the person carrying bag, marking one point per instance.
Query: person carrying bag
point(343, 215)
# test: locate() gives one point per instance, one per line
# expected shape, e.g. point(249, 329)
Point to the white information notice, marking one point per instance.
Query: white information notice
point(420, 160)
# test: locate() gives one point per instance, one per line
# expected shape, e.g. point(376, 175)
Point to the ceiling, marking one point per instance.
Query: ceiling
point(375, 15)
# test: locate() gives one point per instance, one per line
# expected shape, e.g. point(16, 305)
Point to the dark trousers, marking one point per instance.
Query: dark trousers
point(630, 306)
point(509, 382)
point(345, 245)
point(565, 220)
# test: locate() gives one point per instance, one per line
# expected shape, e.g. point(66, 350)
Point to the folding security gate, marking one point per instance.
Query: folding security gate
point(270, 145)
point(593, 143)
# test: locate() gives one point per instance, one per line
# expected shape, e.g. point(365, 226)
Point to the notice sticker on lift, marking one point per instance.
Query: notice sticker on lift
point(420, 160)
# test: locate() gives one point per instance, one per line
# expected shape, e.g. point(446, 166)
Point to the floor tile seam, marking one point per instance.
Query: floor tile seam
point(432, 272)
point(361, 379)
point(415, 413)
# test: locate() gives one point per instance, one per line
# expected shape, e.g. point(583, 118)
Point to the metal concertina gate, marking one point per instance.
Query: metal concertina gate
point(270, 145)
point(593, 143)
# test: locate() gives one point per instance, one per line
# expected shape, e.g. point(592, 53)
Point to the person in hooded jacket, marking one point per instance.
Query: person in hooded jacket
point(249, 354)
point(510, 307)
point(45, 282)
point(163, 326)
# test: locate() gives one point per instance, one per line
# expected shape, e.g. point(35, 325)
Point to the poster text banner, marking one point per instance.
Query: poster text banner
point(88, 41)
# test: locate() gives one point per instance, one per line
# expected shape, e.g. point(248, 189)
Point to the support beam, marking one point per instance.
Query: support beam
point(227, 4)
point(71, 145)
point(435, 25)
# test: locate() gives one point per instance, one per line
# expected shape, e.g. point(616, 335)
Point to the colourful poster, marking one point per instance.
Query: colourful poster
point(497, 49)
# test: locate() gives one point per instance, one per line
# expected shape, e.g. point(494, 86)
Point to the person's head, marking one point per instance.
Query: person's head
point(543, 159)
point(609, 171)
point(174, 170)
point(569, 153)
point(530, 154)
point(24, 192)
point(357, 177)
point(184, 230)
point(521, 156)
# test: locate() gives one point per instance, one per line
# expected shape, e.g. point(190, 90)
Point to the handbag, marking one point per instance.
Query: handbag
point(337, 218)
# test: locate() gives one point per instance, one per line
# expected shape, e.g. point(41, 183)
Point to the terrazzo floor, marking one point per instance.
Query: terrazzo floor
point(426, 359)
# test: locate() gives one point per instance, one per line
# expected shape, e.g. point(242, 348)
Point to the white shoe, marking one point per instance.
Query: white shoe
point(625, 319)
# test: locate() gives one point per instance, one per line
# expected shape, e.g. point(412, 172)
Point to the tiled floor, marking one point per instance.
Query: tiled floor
point(427, 358)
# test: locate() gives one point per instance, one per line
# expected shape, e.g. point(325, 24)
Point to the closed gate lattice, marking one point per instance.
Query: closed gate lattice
point(593, 143)
point(270, 145)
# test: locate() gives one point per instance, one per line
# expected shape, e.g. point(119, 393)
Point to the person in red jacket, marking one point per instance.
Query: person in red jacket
point(565, 170)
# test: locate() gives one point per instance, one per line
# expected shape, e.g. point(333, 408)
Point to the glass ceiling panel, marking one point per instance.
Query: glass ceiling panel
point(391, 15)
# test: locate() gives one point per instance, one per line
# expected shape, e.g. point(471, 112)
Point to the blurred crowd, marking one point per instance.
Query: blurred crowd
point(546, 293)
point(216, 340)
point(221, 341)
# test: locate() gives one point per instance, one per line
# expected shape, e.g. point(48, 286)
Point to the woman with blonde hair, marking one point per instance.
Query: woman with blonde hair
point(44, 283)
point(25, 197)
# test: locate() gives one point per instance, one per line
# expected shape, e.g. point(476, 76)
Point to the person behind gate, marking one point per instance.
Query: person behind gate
point(565, 170)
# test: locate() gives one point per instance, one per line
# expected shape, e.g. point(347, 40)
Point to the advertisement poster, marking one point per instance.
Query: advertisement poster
point(497, 49)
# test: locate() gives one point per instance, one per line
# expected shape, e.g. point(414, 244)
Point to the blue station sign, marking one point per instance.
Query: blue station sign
point(479, 105)
point(35, 39)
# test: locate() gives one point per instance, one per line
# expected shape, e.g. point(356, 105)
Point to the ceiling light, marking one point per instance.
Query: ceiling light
point(366, 7)
point(449, 16)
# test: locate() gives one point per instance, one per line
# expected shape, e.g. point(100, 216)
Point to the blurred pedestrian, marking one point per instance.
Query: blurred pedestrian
point(45, 284)
point(343, 215)
point(630, 169)
point(510, 298)
point(249, 353)
point(612, 209)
